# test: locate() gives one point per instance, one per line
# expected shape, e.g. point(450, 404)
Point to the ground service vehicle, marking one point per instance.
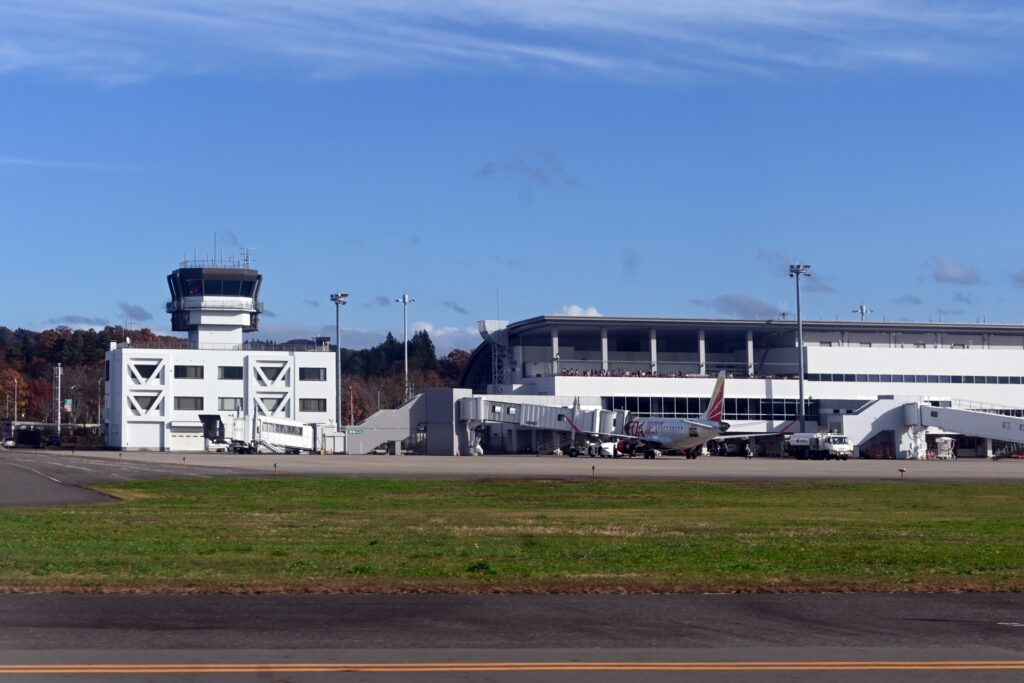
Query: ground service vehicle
point(820, 446)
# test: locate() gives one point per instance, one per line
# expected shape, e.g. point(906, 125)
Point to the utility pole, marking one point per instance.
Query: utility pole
point(15, 403)
point(339, 299)
point(351, 406)
point(795, 271)
point(405, 301)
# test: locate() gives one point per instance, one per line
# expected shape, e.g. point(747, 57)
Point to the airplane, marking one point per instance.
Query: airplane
point(670, 433)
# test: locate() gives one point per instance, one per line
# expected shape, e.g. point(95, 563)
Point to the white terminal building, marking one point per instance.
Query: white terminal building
point(154, 396)
point(893, 387)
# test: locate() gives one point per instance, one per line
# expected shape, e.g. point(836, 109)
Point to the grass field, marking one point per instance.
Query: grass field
point(521, 536)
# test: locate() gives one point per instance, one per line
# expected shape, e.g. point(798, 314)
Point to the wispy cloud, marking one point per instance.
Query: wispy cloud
point(953, 272)
point(577, 311)
point(455, 306)
point(509, 262)
point(1018, 278)
point(53, 163)
point(312, 303)
point(78, 321)
point(128, 40)
point(134, 312)
point(739, 305)
point(908, 300)
point(542, 168)
point(378, 301)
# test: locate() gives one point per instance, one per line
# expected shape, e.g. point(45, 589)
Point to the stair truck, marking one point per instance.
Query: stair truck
point(820, 446)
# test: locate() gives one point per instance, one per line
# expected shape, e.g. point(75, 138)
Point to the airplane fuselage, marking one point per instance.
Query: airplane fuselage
point(674, 434)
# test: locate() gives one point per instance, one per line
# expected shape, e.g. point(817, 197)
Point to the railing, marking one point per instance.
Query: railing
point(204, 303)
point(245, 346)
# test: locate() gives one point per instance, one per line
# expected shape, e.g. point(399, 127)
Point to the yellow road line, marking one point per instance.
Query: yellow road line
point(455, 667)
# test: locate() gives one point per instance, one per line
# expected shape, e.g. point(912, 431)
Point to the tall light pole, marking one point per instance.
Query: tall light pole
point(339, 299)
point(795, 271)
point(58, 371)
point(15, 402)
point(405, 300)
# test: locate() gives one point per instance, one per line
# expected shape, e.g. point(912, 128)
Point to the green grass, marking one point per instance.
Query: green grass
point(383, 535)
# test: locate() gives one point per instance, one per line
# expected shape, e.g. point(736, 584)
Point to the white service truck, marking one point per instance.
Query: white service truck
point(820, 446)
point(242, 434)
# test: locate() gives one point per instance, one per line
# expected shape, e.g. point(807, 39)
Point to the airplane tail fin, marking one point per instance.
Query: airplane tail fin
point(717, 403)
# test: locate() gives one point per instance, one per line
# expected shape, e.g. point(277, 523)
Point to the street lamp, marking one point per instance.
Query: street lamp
point(405, 300)
point(795, 271)
point(339, 299)
point(58, 372)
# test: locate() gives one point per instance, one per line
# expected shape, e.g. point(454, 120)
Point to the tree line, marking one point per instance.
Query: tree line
point(372, 377)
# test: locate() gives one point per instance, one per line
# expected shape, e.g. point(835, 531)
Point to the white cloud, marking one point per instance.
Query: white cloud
point(126, 40)
point(579, 311)
point(954, 272)
point(447, 338)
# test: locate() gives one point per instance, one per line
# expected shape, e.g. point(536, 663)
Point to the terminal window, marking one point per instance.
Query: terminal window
point(313, 374)
point(229, 372)
point(188, 372)
point(313, 405)
point(188, 402)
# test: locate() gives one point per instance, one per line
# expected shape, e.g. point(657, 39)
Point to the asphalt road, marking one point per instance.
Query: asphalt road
point(514, 638)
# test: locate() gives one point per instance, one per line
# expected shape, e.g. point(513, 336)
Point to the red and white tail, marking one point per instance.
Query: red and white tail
point(714, 411)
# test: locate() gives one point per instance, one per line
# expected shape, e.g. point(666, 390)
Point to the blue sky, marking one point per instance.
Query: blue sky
point(623, 158)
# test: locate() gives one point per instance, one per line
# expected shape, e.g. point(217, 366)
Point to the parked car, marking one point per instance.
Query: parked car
point(9, 443)
point(53, 441)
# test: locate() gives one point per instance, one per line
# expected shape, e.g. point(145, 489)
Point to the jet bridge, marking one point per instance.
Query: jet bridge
point(908, 419)
point(992, 423)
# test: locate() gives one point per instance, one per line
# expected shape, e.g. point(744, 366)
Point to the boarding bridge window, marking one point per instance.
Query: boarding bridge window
point(188, 402)
point(231, 404)
point(313, 374)
point(188, 372)
point(106, 371)
point(313, 405)
point(229, 372)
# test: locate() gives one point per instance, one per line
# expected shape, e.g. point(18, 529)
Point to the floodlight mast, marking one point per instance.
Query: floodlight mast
point(339, 299)
point(405, 300)
point(796, 271)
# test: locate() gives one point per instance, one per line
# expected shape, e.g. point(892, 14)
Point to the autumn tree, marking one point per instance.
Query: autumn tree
point(13, 387)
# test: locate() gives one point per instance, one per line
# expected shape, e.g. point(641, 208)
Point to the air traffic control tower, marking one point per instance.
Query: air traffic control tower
point(215, 303)
point(156, 391)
